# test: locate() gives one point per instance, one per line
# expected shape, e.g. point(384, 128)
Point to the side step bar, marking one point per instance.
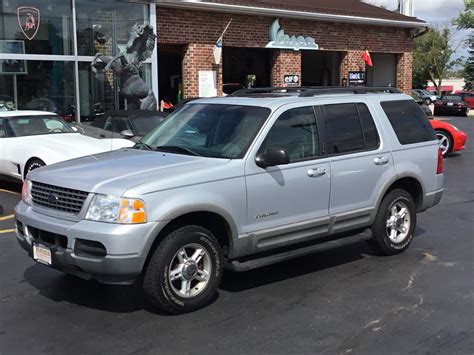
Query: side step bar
point(292, 254)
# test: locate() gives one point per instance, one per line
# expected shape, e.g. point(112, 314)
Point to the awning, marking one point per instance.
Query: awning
point(445, 88)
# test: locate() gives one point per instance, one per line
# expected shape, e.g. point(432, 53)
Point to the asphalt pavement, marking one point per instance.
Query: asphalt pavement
point(344, 301)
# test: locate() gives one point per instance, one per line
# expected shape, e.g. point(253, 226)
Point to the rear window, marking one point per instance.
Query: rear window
point(408, 121)
point(452, 98)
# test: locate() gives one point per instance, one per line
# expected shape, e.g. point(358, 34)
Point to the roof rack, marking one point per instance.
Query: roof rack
point(305, 91)
point(270, 90)
point(348, 90)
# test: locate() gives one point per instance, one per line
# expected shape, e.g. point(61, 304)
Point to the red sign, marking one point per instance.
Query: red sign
point(29, 20)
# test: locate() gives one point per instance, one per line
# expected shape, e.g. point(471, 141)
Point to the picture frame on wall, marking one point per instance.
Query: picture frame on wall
point(13, 66)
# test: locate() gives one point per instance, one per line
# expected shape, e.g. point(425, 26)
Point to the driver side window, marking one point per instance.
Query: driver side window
point(296, 131)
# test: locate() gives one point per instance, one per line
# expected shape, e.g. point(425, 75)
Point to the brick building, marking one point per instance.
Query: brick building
point(342, 30)
point(268, 43)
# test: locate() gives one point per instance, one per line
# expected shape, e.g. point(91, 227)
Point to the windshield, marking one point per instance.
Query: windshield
point(143, 125)
point(36, 125)
point(218, 131)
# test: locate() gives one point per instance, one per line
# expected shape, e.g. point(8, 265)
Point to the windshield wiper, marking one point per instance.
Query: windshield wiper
point(176, 149)
point(143, 144)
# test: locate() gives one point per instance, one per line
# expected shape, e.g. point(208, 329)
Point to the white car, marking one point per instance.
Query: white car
point(31, 139)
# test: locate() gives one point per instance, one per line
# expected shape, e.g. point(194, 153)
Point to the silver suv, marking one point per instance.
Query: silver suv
point(237, 182)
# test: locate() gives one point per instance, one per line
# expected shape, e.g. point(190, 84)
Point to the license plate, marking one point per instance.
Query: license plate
point(42, 254)
point(450, 103)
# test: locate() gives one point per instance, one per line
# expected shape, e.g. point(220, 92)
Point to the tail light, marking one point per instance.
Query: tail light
point(461, 104)
point(439, 103)
point(440, 167)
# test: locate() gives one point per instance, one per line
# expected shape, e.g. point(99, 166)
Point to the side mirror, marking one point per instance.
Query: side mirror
point(127, 133)
point(272, 157)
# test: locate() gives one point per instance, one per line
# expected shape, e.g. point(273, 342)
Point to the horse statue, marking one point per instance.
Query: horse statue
point(133, 88)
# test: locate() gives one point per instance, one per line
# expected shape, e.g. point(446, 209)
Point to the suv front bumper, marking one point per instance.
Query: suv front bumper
point(108, 253)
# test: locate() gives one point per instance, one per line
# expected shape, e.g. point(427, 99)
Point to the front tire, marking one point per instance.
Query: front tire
point(395, 223)
point(32, 165)
point(445, 141)
point(184, 271)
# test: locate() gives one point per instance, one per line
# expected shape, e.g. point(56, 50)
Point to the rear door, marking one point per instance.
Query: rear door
point(360, 163)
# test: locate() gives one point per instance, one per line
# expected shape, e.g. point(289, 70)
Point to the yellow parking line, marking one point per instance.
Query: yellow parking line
point(10, 192)
point(4, 218)
point(7, 231)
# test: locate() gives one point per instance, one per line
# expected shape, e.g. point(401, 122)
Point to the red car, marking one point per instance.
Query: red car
point(468, 97)
point(450, 137)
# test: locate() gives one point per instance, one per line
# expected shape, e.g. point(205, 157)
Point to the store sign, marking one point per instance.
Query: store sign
point(357, 78)
point(207, 83)
point(280, 40)
point(291, 80)
point(29, 20)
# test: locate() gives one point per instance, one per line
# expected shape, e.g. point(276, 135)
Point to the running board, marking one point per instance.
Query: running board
point(292, 254)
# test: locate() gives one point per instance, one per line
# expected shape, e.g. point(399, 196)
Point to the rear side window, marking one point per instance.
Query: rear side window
point(408, 121)
point(2, 128)
point(350, 128)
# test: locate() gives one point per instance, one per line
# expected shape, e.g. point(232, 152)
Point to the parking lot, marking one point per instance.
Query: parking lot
point(343, 301)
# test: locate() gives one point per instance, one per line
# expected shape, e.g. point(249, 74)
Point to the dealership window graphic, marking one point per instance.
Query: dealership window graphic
point(29, 21)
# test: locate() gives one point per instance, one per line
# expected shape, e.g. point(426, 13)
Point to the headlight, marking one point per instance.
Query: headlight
point(26, 192)
point(112, 209)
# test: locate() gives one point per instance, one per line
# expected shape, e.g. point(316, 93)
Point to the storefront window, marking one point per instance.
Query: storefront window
point(99, 96)
point(104, 27)
point(45, 86)
point(41, 27)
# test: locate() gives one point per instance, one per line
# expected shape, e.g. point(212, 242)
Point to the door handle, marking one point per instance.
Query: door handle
point(317, 172)
point(381, 161)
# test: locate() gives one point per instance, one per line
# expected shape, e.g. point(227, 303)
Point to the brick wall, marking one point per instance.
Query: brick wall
point(405, 72)
point(285, 62)
point(182, 27)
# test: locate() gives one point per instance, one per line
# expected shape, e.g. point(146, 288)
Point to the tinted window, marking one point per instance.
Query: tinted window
point(296, 131)
point(451, 98)
point(344, 128)
point(2, 128)
point(371, 136)
point(408, 121)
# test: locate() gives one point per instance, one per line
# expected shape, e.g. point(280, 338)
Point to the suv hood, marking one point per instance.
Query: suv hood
point(116, 172)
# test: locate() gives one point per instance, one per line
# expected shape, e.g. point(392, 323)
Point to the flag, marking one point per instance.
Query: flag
point(217, 51)
point(367, 58)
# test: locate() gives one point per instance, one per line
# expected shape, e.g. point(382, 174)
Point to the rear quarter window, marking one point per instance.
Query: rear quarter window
point(408, 121)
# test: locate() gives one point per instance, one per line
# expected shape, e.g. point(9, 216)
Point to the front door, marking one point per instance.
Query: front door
point(289, 203)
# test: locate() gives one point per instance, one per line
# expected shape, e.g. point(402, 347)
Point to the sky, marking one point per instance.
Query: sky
point(436, 12)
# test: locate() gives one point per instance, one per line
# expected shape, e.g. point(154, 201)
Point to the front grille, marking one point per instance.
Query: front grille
point(58, 198)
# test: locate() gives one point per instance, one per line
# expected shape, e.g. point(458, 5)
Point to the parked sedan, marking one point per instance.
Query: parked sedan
point(427, 96)
point(451, 105)
point(32, 139)
point(450, 137)
point(133, 124)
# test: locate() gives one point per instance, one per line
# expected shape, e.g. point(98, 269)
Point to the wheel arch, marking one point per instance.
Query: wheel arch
point(28, 162)
point(410, 184)
point(216, 222)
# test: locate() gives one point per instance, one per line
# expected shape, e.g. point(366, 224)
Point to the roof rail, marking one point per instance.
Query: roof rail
point(315, 91)
point(271, 90)
point(309, 91)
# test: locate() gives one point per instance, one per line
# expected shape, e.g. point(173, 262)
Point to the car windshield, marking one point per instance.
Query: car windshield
point(36, 125)
point(452, 98)
point(144, 125)
point(217, 131)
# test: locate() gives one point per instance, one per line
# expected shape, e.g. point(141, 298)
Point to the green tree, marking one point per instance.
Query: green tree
point(465, 21)
point(432, 58)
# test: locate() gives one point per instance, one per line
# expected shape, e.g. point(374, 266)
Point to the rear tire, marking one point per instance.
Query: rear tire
point(395, 223)
point(184, 271)
point(32, 165)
